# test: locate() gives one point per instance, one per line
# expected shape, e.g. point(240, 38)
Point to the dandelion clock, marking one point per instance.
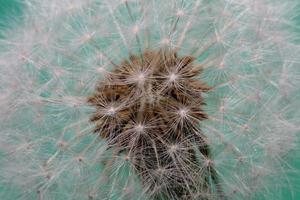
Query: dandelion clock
point(150, 100)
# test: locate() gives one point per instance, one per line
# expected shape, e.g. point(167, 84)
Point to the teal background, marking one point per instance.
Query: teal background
point(11, 14)
point(10, 11)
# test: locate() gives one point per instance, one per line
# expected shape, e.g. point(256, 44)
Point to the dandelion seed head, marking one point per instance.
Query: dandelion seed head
point(183, 112)
point(149, 100)
point(139, 128)
point(111, 111)
point(135, 29)
point(101, 70)
point(180, 13)
point(173, 148)
point(165, 41)
point(141, 78)
point(172, 77)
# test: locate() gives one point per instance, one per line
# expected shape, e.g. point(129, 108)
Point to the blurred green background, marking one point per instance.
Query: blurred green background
point(11, 13)
point(10, 10)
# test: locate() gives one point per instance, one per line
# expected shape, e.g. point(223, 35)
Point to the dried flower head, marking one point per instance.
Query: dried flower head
point(150, 107)
point(149, 100)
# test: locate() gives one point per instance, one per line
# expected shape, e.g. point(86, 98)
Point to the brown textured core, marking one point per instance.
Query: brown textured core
point(150, 108)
